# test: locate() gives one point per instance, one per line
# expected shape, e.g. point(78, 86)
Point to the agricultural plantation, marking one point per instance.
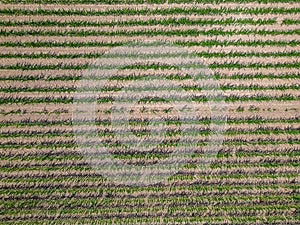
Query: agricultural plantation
point(149, 112)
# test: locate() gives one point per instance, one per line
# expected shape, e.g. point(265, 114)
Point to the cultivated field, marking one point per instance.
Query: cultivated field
point(252, 49)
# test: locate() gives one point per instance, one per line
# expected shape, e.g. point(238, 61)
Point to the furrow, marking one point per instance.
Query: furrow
point(235, 110)
point(65, 129)
point(68, 139)
point(123, 39)
point(193, 191)
point(98, 182)
point(154, 30)
point(60, 51)
point(241, 149)
point(104, 7)
point(11, 86)
point(211, 172)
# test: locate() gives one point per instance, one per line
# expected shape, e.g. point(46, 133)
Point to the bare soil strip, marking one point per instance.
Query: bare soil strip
point(6, 62)
point(57, 51)
point(59, 116)
point(231, 149)
point(104, 7)
point(235, 108)
point(42, 84)
point(119, 38)
point(157, 28)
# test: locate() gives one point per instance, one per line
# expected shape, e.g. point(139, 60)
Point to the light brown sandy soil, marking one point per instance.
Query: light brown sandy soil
point(109, 29)
point(195, 49)
point(249, 60)
point(119, 38)
point(260, 83)
point(52, 61)
point(37, 84)
point(244, 49)
point(55, 50)
point(278, 72)
point(37, 119)
point(171, 60)
point(104, 7)
point(40, 74)
point(262, 108)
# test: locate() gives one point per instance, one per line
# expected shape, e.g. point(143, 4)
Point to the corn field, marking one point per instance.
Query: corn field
point(251, 49)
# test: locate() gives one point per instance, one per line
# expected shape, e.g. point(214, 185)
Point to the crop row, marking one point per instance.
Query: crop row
point(258, 143)
point(262, 110)
point(139, 213)
point(140, 131)
point(198, 126)
point(151, 202)
point(66, 119)
point(75, 75)
point(150, 33)
point(67, 122)
point(99, 181)
point(211, 29)
point(150, 192)
point(81, 43)
point(193, 220)
point(79, 66)
point(117, 82)
point(163, 62)
point(79, 160)
point(212, 54)
point(56, 88)
point(149, 22)
point(85, 171)
point(230, 96)
point(130, 156)
point(226, 150)
point(175, 10)
point(52, 54)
